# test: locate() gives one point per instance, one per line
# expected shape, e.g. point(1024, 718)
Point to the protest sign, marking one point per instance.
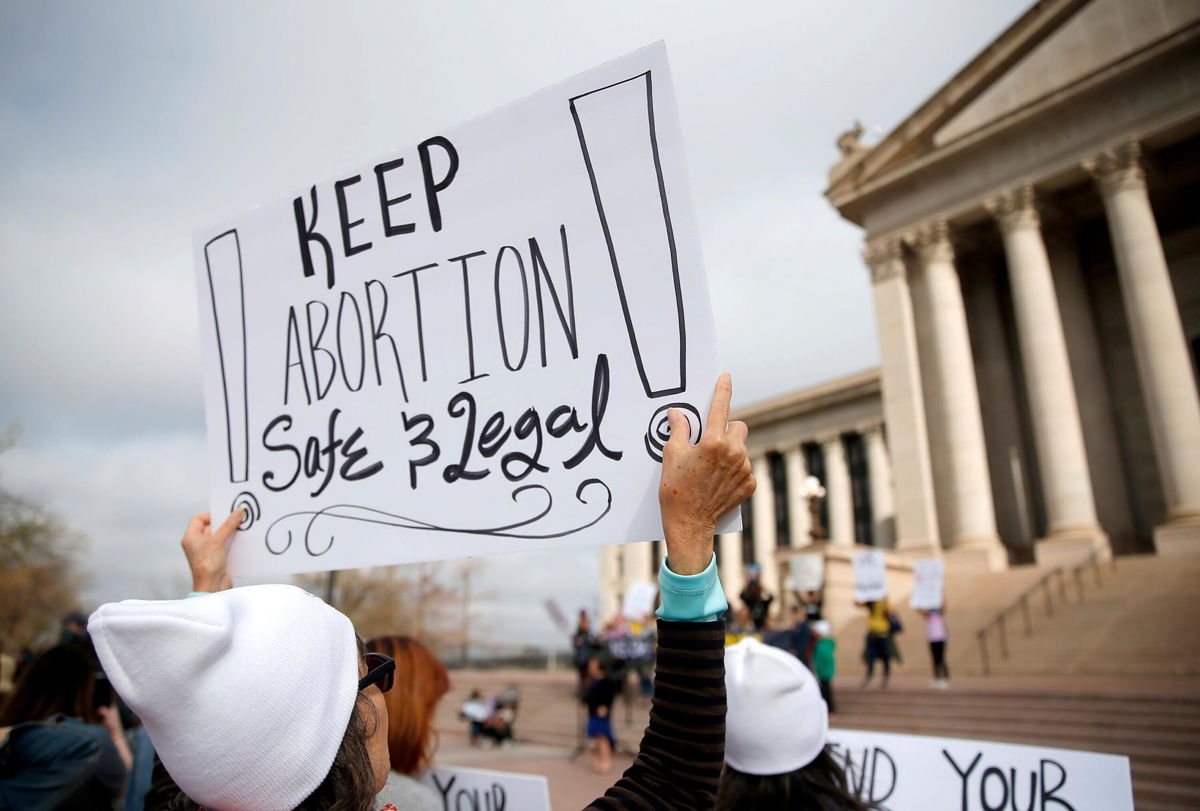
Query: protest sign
point(806, 572)
point(466, 347)
point(928, 574)
point(481, 790)
point(920, 773)
point(640, 600)
point(870, 575)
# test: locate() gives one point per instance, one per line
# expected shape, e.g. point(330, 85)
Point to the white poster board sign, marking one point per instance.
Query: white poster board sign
point(481, 790)
point(806, 572)
point(870, 575)
point(919, 773)
point(466, 347)
point(640, 600)
point(928, 576)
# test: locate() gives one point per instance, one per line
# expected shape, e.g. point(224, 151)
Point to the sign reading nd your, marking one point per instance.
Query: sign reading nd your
point(467, 347)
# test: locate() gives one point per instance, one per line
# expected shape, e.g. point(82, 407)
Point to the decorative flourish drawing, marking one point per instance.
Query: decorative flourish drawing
point(659, 429)
point(281, 533)
point(251, 511)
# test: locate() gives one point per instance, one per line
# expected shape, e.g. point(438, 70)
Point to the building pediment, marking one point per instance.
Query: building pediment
point(1054, 45)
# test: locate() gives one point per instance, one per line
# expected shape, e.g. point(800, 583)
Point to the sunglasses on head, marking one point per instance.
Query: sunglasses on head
point(381, 671)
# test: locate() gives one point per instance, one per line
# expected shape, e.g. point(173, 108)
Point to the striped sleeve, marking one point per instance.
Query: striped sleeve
point(683, 749)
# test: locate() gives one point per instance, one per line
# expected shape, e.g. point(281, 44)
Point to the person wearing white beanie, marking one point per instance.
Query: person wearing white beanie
point(256, 698)
point(260, 698)
point(775, 733)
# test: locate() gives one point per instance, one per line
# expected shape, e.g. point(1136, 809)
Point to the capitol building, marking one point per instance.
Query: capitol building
point(1032, 233)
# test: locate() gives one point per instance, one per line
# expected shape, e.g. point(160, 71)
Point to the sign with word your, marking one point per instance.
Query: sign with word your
point(919, 773)
point(870, 575)
point(480, 790)
point(928, 576)
point(464, 347)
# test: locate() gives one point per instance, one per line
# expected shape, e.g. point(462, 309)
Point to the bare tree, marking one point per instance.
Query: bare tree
point(38, 579)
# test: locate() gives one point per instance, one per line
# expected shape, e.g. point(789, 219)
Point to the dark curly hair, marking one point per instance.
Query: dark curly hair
point(820, 784)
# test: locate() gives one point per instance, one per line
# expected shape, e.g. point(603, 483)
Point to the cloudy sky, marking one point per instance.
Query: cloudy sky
point(127, 126)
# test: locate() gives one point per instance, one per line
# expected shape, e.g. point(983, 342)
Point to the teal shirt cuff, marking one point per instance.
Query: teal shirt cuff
point(197, 593)
point(691, 597)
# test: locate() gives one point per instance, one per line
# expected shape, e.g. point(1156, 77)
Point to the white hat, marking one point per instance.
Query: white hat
point(246, 693)
point(777, 721)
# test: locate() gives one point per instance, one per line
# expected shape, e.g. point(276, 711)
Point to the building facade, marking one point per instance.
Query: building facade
point(1032, 232)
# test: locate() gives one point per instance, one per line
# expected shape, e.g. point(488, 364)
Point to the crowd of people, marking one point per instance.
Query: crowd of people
point(264, 697)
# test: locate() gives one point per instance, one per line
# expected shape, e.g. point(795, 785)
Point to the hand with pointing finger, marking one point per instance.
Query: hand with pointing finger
point(207, 550)
point(702, 482)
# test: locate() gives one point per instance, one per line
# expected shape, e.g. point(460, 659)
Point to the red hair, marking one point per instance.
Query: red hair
point(421, 681)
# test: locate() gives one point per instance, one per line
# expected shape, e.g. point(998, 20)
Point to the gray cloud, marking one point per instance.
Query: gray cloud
point(126, 127)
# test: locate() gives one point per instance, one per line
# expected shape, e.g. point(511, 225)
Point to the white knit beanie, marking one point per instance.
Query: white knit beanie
point(777, 721)
point(245, 693)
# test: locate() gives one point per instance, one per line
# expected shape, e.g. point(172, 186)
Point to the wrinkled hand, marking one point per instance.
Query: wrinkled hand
point(207, 551)
point(702, 482)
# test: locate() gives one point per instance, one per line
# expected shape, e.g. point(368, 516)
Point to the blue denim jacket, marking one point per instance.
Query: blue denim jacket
point(43, 763)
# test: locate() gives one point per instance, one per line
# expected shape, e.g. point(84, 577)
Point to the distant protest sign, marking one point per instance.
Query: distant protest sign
point(481, 790)
point(640, 600)
point(870, 575)
point(806, 572)
point(464, 347)
point(919, 773)
point(928, 575)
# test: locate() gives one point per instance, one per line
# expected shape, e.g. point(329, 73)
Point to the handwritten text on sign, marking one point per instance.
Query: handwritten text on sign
point(481, 790)
point(870, 575)
point(928, 577)
point(920, 773)
point(466, 347)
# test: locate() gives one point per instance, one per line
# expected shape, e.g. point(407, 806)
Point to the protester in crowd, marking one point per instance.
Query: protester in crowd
point(475, 711)
point(936, 635)
point(824, 663)
point(739, 627)
point(601, 691)
point(418, 685)
point(56, 748)
point(796, 639)
point(756, 598)
point(879, 645)
point(262, 697)
point(812, 605)
point(775, 737)
point(582, 641)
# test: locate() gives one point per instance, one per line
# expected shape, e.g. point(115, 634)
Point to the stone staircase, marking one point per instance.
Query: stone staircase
point(1115, 668)
point(1137, 621)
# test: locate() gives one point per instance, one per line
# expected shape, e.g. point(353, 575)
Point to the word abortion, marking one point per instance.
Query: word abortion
point(343, 342)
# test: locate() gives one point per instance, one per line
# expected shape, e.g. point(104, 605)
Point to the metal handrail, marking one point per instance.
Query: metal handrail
point(1057, 575)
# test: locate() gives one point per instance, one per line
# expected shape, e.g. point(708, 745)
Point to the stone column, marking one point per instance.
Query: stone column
point(1070, 508)
point(953, 411)
point(638, 563)
point(903, 401)
point(610, 584)
point(838, 492)
point(799, 520)
point(879, 471)
point(730, 568)
point(763, 509)
point(1164, 367)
